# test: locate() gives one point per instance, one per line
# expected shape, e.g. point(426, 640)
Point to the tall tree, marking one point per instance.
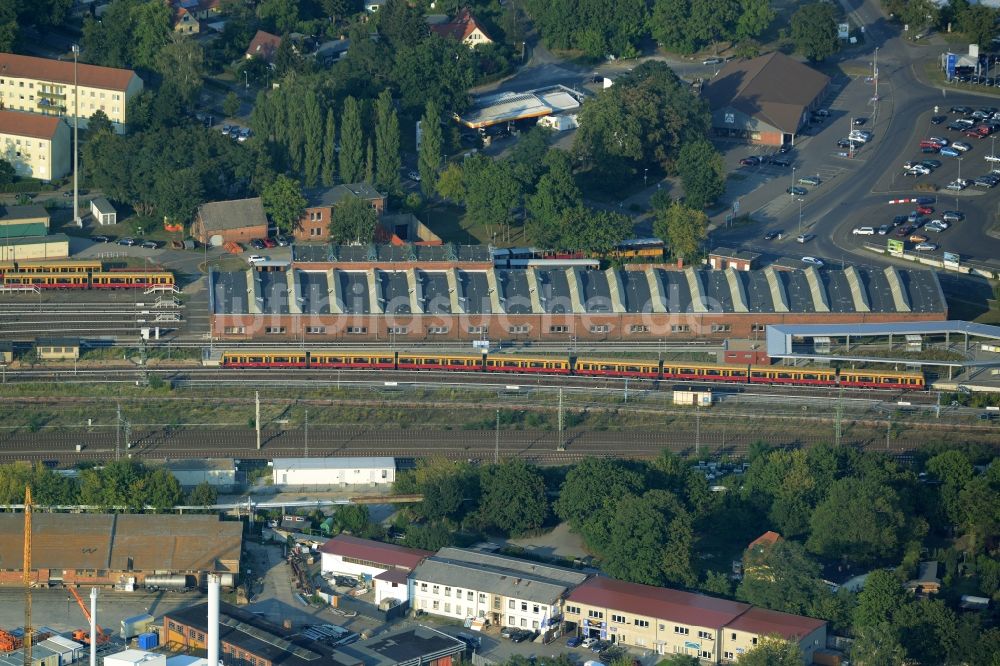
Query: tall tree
point(683, 228)
point(513, 498)
point(329, 169)
point(352, 142)
point(370, 162)
point(490, 192)
point(451, 183)
point(781, 577)
point(589, 484)
point(702, 172)
point(598, 231)
point(772, 651)
point(875, 531)
point(178, 194)
point(755, 18)
point(880, 600)
point(353, 222)
point(312, 127)
point(556, 194)
point(284, 202)
point(429, 151)
point(387, 160)
point(877, 646)
point(231, 104)
point(634, 548)
point(814, 30)
point(181, 61)
point(151, 33)
point(204, 494)
point(401, 24)
point(8, 26)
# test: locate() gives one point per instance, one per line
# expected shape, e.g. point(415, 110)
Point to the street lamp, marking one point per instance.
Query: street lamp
point(800, 216)
point(793, 176)
point(246, 78)
point(76, 139)
point(875, 73)
point(645, 176)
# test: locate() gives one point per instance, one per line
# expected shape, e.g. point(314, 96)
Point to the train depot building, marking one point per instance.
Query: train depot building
point(456, 294)
point(121, 550)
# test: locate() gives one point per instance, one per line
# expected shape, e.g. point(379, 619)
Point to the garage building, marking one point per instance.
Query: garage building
point(334, 472)
point(764, 100)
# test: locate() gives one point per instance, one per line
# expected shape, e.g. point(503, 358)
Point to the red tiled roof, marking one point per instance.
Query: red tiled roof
point(394, 576)
point(375, 551)
point(263, 45)
point(764, 622)
point(459, 27)
point(61, 71)
point(768, 538)
point(658, 602)
point(28, 124)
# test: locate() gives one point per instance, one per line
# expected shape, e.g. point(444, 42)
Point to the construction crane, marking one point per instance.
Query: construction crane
point(28, 631)
point(83, 635)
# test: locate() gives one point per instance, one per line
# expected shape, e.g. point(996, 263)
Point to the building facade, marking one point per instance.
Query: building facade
point(237, 221)
point(716, 631)
point(386, 564)
point(463, 28)
point(48, 87)
point(331, 472)
point(495, 589)
point(321, 204)
point(36, 146)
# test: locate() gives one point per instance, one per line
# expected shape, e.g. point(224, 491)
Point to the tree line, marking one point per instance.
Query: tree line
point(658, 522)
point(127, 484)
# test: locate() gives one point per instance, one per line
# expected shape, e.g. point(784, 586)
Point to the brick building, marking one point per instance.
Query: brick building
point(239, 221)
point(321, 205)
point(373, 298)
point(109, 549)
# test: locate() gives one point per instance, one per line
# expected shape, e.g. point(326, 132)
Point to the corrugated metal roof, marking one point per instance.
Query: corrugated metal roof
point(332, 462)
point(763, 622)
point(387, 554)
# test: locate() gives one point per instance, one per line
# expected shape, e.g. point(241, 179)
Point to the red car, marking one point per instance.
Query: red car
point(270, 242)
point(925, 210)
point(905, 231)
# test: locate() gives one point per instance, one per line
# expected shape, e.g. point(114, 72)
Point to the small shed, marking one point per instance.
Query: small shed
point(6, 351)
point(102, 210)
point(57, 349)
point(722, 258)
point(693, 397)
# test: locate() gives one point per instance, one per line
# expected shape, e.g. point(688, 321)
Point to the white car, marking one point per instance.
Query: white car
point(813, 261)
point(936, 225)
point(805, 238)
point(256, 259)
point(962, 146)
point(956, 186)
point(934, 139)
point(588, 643)
point(925, 247)
point(921, 169)
point(864, 231)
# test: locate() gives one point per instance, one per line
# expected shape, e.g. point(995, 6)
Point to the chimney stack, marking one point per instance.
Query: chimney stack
point(213, 619)
point(93, 626)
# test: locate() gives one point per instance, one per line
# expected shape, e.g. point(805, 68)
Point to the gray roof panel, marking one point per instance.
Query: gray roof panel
point(475, 288)
point(272, 294)
point(879, 294)
point(596, 294)
point(354, 291)
point(838, 290)
point(554, 287)
point(758, 291)
point(394, 289)
point(513, 286)
point(229, 292)
point(315, 291)
point(635, 291)
point(923, 289)
point(717, 291)
point(675, 289)
point(800, 298)
point(437, 299)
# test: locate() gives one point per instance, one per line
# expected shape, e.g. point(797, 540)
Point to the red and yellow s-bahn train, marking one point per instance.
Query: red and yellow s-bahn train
point(79, 274)
point(571, 365)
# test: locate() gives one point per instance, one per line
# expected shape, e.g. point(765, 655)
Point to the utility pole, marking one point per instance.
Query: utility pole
point(562, 441)
point(697, 429)
point(118, 431)
point(626, 390)
point(307, 434)
point(496, 445)
point(256, 420)
point(840, 411)
point(76, 139)
point(888, 431)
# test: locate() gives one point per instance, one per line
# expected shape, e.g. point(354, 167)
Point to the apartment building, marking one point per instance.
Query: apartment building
point(500, 590)
point(36, 146)
point(314, 225)
point(716, 631)
point(45, 86)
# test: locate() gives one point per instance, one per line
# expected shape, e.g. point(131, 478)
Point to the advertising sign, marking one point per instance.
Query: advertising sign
point(951, 61)
point(894, 246)
point(691, 645)
point(951, 260)
point(843, 30)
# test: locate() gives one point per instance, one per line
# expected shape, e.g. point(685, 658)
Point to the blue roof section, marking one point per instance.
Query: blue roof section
point(779, 337)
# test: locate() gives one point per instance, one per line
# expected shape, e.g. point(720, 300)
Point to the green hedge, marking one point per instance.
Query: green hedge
point(27, 185)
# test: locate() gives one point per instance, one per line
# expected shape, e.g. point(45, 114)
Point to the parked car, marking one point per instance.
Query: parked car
point(813, 261)
point(752, 160)
point(931, 164)
point(283, 241)
point(955, 186)
point(810, 180)
point(904, 231)
point(414, 176)
point(507, 632)
point(884, 229)
point(245, 133)
point(847, 143)
point(600, 646)
point(952, 216)
point(858, 122)
point(255, 259)
point(805, 238)
point(785, 147)
point(257, 243)
point(925, 247)
point(150, 245)
point(938, 140)
point(574, 641)
point(917, 238)
point(771, 235)
point(898, 220)
point(925, 210)
point(797, 191)
point(226, 129)
point(960, 109)
point(100, 239)
point(864, 231)
point(937, 226)
point(780, 162)
point(588, 642)
point(269, 242)
point(920, 168)
point(950, 152)
point(713, 61)
point(126, 241)
point(937, 120)
point(925, 200)
point(961, 146)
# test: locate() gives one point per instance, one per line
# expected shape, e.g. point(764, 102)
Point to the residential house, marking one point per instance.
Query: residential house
point(263, 46)
point(46, 87)
point(372, 6)
point(927, 582)
point(489, 588)
point(184, 20)
point(238, 220)
point(675, 622)
point(463, 28)
point(314, 225)
point(386, 564)
point(36, 146)
point(753, 567)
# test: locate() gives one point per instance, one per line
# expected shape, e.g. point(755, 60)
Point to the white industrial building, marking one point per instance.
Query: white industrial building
point(334, 472)
point(495, 589)
point(218, 472)
point(385, 565)
point(68, 650)
point(135, 658)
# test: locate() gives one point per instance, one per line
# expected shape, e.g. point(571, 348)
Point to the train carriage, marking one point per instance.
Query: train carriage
point(884, 380)
point(439, 362)
point(348, 360)
point(47, 280)
point(547, 366)
point(799, 376)
point(595, 368)
point(723, 373)
point(67, 266)
point(263, 359)
point(132, 280)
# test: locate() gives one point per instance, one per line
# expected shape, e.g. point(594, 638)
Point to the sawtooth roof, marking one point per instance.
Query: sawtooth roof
point(773, 88)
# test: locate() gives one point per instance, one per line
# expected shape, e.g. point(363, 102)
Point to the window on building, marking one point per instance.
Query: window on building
point(683, 631)
point(447, 607)
point(707, 635)
point(357, 330)
point(705, 654)
point(436, 590)
point(558, 329)
point(638, 328)
point(754, 640)
point(458, 611)
point(524, 622)
point(423, 587)
point(315, 330)
point(478, 329)
point(534, 624)
point(447, 591)
point(534, 609)
point(573, 610)
point(524, 606)
point(437, 330)
point(316, 231)
point(397, 330)
point(596, 614)
point(521, 328)
point(728, 655)
point(435, 604)
point(600, 328)
point(641, 623)
point(235, 330)
point(510, 604)
point(662, 626)
point(758, 328)
point(510, 621)
point(469, 596)
point(721, 328)
point(679, 328)
point(618, 618)
point(732, 636)
point(274, 330)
